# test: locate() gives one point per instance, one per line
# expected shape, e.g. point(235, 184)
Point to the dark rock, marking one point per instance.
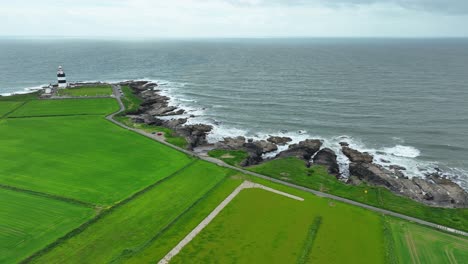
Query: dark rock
point(356, 156)
point(255, 154)
point(396, 167)
point(384, 161)
point(303, 150)
point(231, 143)
point(344, 144)
point(279, 140)
point(266, 146)
point(444, 193)
point(195, 134)
point(174, 123)
point(327, 158)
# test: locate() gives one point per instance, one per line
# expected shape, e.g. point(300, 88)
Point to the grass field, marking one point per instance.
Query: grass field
point(418, 244)
point(96, 90)
point(293, 170)
point(231, 157)
point(20, 97)
point(7, 106)
point(133, 226)
point(28, 223)
point(188, 221)
point(95, 106)
point(82, 157)
point(263, 227)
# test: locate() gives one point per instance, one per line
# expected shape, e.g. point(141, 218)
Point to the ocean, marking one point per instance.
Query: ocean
point(403, 100)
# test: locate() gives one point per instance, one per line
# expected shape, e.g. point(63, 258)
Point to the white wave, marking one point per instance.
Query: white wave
point(402, 151)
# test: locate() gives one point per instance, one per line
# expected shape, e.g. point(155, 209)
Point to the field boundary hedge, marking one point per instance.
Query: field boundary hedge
point(13, 110)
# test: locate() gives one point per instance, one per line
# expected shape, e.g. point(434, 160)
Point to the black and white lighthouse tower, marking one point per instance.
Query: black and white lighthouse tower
point(62, 81)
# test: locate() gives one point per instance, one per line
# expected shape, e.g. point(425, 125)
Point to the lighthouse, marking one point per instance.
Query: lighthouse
point(62, 81)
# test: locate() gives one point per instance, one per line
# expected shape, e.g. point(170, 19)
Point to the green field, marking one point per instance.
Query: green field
point(95, 90)
point(82, 157)
point(264, 227)
point(131, 227)
point(28, 223)
point(187, 221)
point(231, 157)
point(418, 244)
point(7, 106)
point(94, 106)
point(293, 170)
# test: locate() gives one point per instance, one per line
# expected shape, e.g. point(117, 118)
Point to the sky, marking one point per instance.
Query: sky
point(234, 18)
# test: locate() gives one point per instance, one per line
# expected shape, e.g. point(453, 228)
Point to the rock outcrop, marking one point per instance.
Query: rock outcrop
point(327, 157)
point(356, 156)
point(281, 141)
point(302, 150)
point(439, 192)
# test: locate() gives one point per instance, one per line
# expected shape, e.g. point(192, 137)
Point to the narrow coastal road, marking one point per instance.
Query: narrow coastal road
point(117, 94)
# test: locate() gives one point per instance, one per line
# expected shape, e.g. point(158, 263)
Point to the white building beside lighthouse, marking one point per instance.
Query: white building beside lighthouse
point(62, 81)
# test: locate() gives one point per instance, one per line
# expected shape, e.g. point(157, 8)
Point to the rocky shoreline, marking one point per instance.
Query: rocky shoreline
point(433, 190)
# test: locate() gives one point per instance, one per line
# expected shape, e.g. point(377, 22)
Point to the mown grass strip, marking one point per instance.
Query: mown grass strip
point(99, 216)
point(309, 242)
point(48, 195)
point(390, 252)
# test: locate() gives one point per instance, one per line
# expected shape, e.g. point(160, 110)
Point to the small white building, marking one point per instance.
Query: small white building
point(62, 81)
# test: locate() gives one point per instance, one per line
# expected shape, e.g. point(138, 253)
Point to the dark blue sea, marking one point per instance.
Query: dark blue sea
point(403, 100)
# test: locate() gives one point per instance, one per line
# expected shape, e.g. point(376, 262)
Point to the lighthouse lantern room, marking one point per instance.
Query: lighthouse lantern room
point(62, 81)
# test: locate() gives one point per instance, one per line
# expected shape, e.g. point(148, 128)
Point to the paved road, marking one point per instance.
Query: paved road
point(117, 95)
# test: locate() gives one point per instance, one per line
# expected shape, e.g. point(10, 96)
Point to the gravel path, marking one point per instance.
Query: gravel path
point(215, 212)
point(116, 89)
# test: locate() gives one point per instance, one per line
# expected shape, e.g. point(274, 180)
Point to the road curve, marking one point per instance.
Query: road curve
point(117, 95)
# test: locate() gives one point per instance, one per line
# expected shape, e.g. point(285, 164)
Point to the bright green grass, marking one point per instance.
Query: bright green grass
point(231, 157)
point(94, 106)
point(7, 106)
point(28, 223)
point(264, 227)
point(132, 226)
point(96, 90)
point(188, 221)
point(82, 157)
point(130, 100)
point(418, 244)
point(293, 170)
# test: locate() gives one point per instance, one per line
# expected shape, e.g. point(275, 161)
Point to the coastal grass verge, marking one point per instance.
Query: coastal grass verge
point(93, 90)
point(419, 244)
point(256, 227)
point(130, 100)
point(85, 158)
point(169, 135)
point(20, 97)
point(137, 222)
point(231, 157)
point(29, 222)
point(317, 178)
point(63, 107)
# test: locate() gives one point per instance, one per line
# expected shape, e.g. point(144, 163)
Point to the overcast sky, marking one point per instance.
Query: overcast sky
point(234, 18)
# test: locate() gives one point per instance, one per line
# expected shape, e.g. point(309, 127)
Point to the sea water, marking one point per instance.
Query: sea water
point(403, 100)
